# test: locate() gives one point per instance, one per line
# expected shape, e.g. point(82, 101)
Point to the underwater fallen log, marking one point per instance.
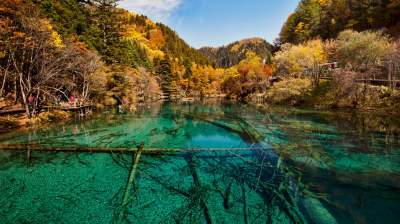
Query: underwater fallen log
point(244, 198)
point(249, 130)
point(161, 151)
point(247, 135)
point(130, 183)
point(317, 211)
point(244, 129)
point(196, 180)
point(228, 200)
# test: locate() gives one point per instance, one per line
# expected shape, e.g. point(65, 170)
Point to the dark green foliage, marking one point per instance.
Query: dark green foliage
point(164, 71)
point(118, 87)
point(69, 15)
point(326, 19)
point(139, 20)
point(233, 53)
point(136, 56)
point(188, 69)
point(106, 19)
point(97, 23)
point(177, 48)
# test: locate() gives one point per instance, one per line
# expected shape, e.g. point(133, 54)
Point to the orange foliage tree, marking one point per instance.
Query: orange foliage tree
point(36, 61)
point(252, 76)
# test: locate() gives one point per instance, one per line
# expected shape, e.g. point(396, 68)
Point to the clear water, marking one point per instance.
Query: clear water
point(275, 165)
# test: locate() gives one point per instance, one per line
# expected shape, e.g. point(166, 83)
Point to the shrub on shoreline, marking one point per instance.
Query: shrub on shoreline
point(290, 91)
point(8, 123)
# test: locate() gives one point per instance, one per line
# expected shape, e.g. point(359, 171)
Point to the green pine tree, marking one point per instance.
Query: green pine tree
point(165, 73)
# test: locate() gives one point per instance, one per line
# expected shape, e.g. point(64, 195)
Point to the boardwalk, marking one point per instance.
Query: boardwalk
point(382, 82)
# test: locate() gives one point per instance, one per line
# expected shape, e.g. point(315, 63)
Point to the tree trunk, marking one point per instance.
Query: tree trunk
point(129, 185)
point(24, 96)
point(390, 72)
point(16, 90)
point(196, 180)
point(3, 84)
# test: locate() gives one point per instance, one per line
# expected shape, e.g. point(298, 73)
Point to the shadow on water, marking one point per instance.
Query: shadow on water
point(236, 164)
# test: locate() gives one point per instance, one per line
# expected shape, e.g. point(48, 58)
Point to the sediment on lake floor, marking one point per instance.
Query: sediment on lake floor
point(214, 186)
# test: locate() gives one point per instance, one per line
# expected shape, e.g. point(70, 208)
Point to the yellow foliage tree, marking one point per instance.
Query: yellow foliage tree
point(156, 38)
point(296, 59)
point(55, 36)
point(205, 80)
point(251, 75)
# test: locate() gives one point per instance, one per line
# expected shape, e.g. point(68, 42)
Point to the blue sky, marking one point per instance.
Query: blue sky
point(217, 22)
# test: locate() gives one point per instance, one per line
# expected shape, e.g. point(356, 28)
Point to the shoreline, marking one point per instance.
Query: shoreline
point(9, 123)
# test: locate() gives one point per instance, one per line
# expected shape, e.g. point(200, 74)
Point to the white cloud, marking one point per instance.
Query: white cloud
point(159, 10)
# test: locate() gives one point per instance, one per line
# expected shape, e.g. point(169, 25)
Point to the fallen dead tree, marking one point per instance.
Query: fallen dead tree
point(197, 183)
point(161, 151)
point(129, 185)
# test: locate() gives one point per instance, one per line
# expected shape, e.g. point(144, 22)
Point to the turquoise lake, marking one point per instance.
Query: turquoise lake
point(210, 162)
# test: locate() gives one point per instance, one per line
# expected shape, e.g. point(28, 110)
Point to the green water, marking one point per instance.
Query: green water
point(275, 165)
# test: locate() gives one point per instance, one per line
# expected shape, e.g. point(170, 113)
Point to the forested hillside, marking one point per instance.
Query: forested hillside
point(91, 50)
point(233, 53)
point(117, 33)
point(327, 18)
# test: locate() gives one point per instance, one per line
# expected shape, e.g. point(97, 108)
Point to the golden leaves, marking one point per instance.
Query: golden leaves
point(55, 37)
point(57, 41)
point(299, 28)
point(296, 58)
point(156, 38)
point(235, 48)
point(17, 34)
point(2, 54)
point(323, 2)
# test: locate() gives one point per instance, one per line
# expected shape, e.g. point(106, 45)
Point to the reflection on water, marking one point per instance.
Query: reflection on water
point(273, 165)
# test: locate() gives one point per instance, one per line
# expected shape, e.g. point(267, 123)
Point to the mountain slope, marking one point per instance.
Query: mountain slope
point(134, 39)
point(233, 53)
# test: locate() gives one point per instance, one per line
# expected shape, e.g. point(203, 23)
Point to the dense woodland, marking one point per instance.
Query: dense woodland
point(325, 19)
point(91, 50)
point(102, 55)
point(232, 54)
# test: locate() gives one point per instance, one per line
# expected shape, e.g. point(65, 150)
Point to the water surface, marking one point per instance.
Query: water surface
point(238, 164)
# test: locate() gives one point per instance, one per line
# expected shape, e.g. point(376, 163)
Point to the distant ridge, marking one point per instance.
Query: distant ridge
point(232, 54)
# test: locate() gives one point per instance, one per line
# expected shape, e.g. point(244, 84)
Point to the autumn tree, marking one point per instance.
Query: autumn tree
point(359, 51)
point(232, 54)
point(38, 62)
point(204, 80)
point(119, 89)
point(325, 19)
point(253, 76)
point(392, 63)
point(149, 87)
point(302, 59)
